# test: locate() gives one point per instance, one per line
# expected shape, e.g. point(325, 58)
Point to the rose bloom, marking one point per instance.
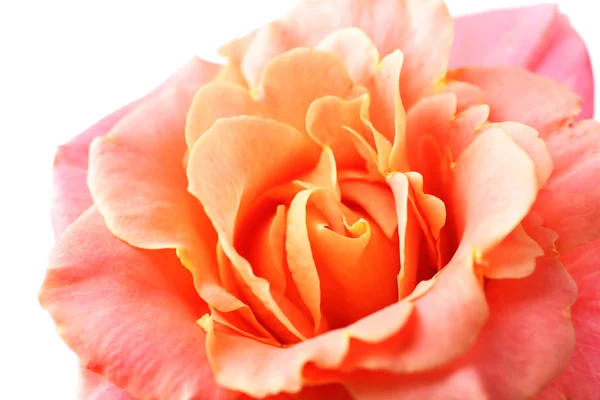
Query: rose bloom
point(368, 201)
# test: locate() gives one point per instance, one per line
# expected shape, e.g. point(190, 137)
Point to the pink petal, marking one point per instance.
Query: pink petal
point(129, 314)
point(526, 343)
point(96, 387)
point(538, 38)
point(542, 103)
point(581, 379)
point(570, 202)
point(71, 194)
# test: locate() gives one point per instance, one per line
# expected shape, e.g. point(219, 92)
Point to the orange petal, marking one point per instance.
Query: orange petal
point(93, 386)
point(542, 103)
point(156, 350)
point(293, 80)
point(376, 199)
point(325, 121)
point(529, 336)
point(214, 101)
point(281, 369)
point(421, 29)
point(494, 187)
point(468, 95)
point(355, 49)
point(229, 167)
point(570, 201)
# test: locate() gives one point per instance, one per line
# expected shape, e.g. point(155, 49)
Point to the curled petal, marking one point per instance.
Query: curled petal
point(494, 187)
point(529, 336)
point(156, 350)
point(543, 103)
point(293, 80)
point(355, 49)
point(71, 193)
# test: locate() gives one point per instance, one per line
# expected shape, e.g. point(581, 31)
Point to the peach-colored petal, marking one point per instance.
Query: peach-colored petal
point(293, 80)
point(229, 167)
point(325, 121)
point(581, 379)
point(214, 101)
point(96, 387)
point(386, 111)
point(375, 199)
point(468, 95)
point(513, 258)
point(542, 103)
point(570, 202)
point(357, 269)
point(408, 234)
point(156, 350)
point(494, 187)
point(422, 30)
point(527, 138)
point(71, 194)
point(526, 342)
point(535, 37)
point(355, 49)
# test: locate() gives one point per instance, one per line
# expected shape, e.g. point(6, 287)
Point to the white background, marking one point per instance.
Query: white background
point(64, 65)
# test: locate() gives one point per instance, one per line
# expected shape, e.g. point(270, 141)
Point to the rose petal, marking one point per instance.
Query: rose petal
point(570, 201)
point(293, 80)
point(71, 194)
point(96, 387)
point(529, 337)
point(156, 350)
point(214, 101)
point(229, 166)
point(325, 121)
point(516, 36)
point(494, 187)
point(421, 29)
point(527, 138)
point(580, 380)
point(543, 103)
point(535, 37)
point(355, 49)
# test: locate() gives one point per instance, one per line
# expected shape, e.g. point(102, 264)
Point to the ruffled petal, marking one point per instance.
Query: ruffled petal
point(71, 193)
point(581, 379)
point(293, 80)
point(229, 168)
point(570, 201)
point(543, 103)
point(156, 350)
point(493, 189)
point(422, 30)
point(529, 337)
point(536, 38)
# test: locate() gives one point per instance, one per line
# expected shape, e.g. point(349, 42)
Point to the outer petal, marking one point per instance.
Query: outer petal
point(581, 379)
point(537, 38)
point(421, 29)
point(71, 194)
point(156, 349)
point(542, 103)
point(96, 387)
point(526, 342)
point(570, 201)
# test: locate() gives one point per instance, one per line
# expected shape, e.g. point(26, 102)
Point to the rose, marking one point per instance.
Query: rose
point(349, 226)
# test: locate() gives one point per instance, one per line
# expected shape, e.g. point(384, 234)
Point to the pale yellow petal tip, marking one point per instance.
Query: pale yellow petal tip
point(205, 322)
